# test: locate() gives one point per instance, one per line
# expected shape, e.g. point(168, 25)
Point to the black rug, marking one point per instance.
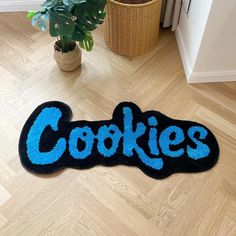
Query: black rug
point(153, 142)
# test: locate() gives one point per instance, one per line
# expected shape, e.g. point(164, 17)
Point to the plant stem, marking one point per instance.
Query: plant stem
point(65, 43)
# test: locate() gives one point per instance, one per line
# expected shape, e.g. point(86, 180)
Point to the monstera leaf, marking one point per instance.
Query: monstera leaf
point(61, 22)
point(72, 2)
point(71, 20)
point(78, 34)
point(50, 4)
point(89, 14)
point(88, 42)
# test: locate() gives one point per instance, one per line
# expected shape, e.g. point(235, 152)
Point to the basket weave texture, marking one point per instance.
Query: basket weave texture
point(132, 29)
point(68, 61)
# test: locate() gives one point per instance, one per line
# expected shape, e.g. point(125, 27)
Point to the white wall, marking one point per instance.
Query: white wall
point(19, 5)
point(218, 48)
point(190, 31)
point(206, 38)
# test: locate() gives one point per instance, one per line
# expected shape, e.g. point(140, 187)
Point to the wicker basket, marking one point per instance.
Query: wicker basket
point(68, 61)
point(132, 29)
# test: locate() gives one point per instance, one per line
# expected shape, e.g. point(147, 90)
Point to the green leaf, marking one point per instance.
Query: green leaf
point(88, 42)
point(78, 34)
point(79, 1)
point(68, 3)
point(42, 23)
point(48, 4)
point(71, 19)
point(31, 14)
point(61, 22)
point(35, 18)
point(89, 14)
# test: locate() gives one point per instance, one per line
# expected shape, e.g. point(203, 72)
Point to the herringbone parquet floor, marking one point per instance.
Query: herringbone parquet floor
point(119, 200)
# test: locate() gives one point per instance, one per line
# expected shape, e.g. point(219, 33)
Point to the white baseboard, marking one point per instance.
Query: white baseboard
point(217, 76)
point(19, 5)
point(200, 77)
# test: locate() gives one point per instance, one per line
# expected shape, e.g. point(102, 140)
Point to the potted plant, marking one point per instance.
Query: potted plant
point(132, 26)
point(70, 21)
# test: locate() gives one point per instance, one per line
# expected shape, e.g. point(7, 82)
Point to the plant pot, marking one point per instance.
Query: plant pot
point(67, 61)
point(132, 26)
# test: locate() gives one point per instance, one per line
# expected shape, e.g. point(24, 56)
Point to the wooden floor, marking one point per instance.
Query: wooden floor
point(119, 200)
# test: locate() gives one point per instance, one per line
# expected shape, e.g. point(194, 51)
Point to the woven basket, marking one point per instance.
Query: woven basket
point(68, 61)
point(132, 29)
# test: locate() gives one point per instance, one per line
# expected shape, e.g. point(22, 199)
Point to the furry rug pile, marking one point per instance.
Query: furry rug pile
point(153, 142)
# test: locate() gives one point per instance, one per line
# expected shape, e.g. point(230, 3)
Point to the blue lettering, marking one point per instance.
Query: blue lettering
point(202, 150)
point(152, 141)
point(48, 117)
point(165, 141)
point(108, 132)
point(130, 141)
point(85, 134)
point(148, 140)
